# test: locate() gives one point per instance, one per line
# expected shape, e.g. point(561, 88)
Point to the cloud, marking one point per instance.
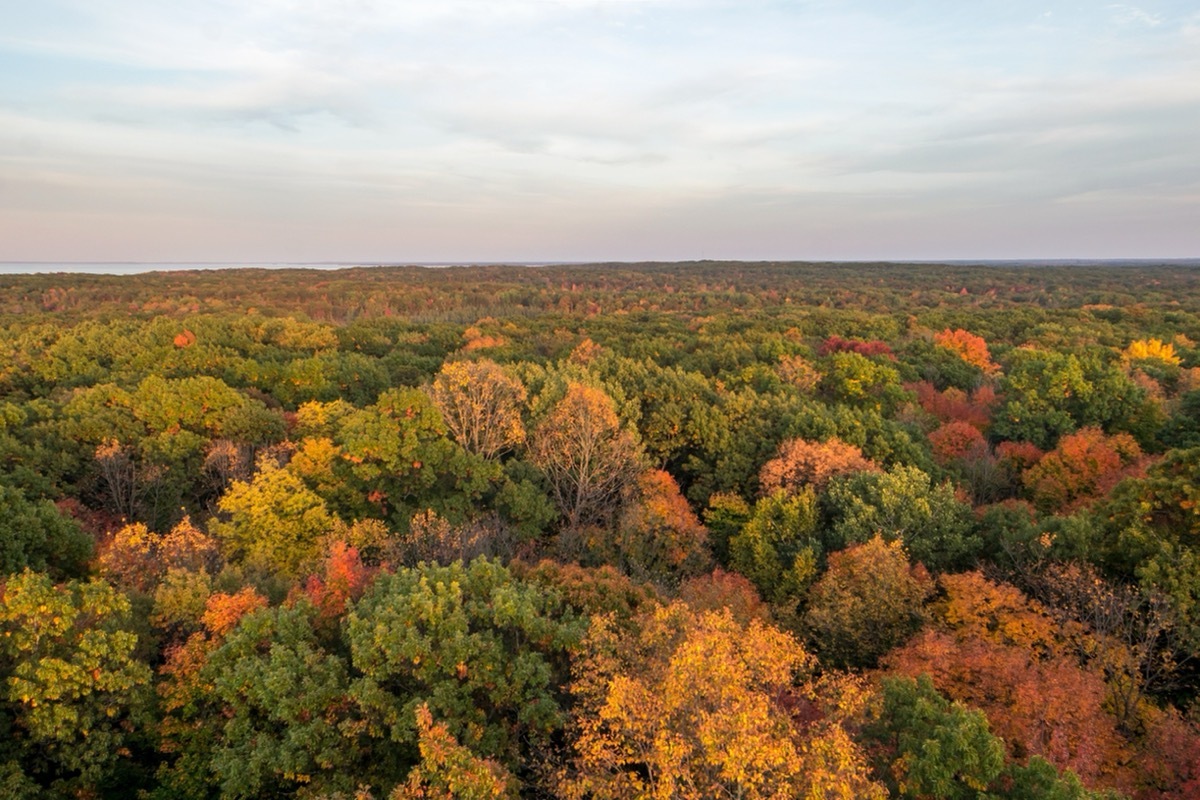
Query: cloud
point(530, 122)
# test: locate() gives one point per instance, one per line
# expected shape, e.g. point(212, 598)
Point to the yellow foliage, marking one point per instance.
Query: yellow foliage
point(1154, 349)
point(692, 707)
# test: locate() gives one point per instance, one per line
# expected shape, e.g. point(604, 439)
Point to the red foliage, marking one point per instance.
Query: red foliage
point(1017, 457)
point(99, 524)
point(1048, 707)
point(1169, 761)
point(957, 440)
point(343, 580)
point(873, 347)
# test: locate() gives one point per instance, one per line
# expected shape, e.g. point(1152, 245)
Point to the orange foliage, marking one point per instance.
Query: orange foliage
point(224, 611)
point(585, 352)
point(137, 559)
point(477, 340)
point(1084, 466)
point(725, 590)
point(955, 405)
point(662, 535)
point(343, 579)
point(185, 339)
point(797, 372)
point(1004, 654)
point(801, 463)
point(957, 440)
point(130, 560)
point(1050, 707)
point(969, 347)
point(1000, 613)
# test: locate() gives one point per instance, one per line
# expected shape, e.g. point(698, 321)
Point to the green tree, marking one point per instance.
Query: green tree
point(902, 504)
point(73, 690)
point(777, 549)
point(483, 650)
point(35, 535)
point(927, 746)
point(399, 454)
point(282, 709)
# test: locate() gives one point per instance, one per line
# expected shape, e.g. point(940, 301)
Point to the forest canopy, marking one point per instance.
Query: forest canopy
point(607, 531)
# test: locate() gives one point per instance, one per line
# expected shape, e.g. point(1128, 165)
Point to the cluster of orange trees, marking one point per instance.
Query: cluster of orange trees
point(692, 531)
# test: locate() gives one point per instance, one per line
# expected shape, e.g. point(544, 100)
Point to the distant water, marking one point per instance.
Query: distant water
point(134, 268)
point(138, 267)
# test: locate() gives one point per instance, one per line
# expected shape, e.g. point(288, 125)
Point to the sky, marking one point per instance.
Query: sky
point(574, 130)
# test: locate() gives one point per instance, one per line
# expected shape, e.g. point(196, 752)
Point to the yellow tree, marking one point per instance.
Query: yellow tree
point(696, 706)
point(449, 771)
point(481, 406)
point(587, 455)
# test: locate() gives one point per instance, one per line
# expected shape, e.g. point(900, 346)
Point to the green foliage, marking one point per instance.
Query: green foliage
point(1048, 394)
point(857, 380)
point(901, 504)
point(35, 535)
point(931, 747)
point(72, 689)
point(777, 549)
point(398, 451)
point(483, 650)
point(283, 711)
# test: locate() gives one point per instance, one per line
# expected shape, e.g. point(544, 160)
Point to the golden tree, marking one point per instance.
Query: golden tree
point(695, 706)
point(589, 457)
point(481, 406)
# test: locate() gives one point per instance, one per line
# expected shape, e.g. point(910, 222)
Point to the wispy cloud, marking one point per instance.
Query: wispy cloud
point(556, 128)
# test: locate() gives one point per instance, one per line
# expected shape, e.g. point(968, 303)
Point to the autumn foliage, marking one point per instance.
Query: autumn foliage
point(873, 347)
point(691, 708)
point(969, 347)
point(1004, 654)
point(955, 405)
point(589, 457)
point(481, 406)
point(1085, 465)
point(957, 441)
point(801, 463)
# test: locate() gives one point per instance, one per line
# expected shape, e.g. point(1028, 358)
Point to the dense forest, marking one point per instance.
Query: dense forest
point(708, 530)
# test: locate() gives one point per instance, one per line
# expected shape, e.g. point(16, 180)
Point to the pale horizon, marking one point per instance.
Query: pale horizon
point(468, 131)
